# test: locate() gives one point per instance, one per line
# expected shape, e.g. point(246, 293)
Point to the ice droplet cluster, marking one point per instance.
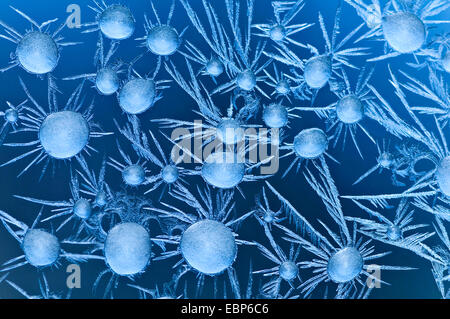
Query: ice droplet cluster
point(379, 84)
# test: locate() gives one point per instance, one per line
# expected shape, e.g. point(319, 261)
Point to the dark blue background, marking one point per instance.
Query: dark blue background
point(176, 104)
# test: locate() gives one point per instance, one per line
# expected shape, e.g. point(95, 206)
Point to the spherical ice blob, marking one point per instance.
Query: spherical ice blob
point(214, 67)
point(223, 170)
point(350, 109)
point(229, 131)
point(443, 176)
point(209, 247)
point(385, 160)
point(137, 96)
point(82, 208)
point(37, 53)
point(133, 175)
point(445, 61)
point(277, 33)
point(394, 233)
point(11, 116)
point(275, 115)
point(117, 22)
point(288, 270)
point(283, 87)
point(127, 249)
point(318, 71)
point(310, 143)
point(40, 248)
point(404, 32)
point(246, 80)
point(269, 217)
point(345, 265)
point(101, 199)
point(170, 174)
point(64, 134)
point(372, 17)
point(163, 40)
point(107, 81)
